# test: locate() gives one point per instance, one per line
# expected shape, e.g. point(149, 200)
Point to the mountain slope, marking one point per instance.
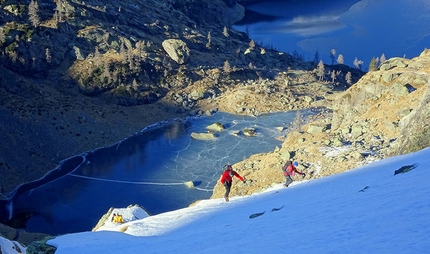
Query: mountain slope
point(383, 114)
point(370, 209)
point(89, 74)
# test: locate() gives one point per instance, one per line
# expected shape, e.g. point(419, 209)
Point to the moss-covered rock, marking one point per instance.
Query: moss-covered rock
point(41, 247)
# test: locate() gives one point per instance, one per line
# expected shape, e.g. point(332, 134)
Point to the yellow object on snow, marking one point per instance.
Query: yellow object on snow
point(118, 218)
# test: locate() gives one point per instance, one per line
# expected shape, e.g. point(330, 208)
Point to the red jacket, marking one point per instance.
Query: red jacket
point(290, 170)
point(226, 177)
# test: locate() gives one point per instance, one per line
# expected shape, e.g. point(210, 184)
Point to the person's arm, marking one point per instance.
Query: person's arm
point(238, 176)
point(298, 172)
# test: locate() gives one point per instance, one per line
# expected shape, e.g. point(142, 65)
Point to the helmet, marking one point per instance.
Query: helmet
point(296, 164)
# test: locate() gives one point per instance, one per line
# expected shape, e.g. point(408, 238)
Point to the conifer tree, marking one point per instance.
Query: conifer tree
point(316, 57)
point(135, 85)
point(373, 65)
point(225, 32)
point(332, 55)
point(358, 63)
point(348, 78)
point(340, 59)
point(2, 36)
point(48, 55)
point(333, 75)
point(226, 67)
point(58, 14)
point(33, 13)
point(106, 71)
point(252, 44)
point(208, 44)
point(382, 59)
point(320, 70)
point(123, 53)
point(34, 62)
point(97, 56)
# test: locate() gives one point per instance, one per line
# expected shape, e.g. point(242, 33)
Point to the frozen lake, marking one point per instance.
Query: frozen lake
point(362, 29)
point(148, 169)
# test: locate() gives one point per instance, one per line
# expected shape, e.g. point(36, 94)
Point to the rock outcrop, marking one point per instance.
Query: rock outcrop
point(177, 50)
point(11, 247)
point(377, 117)
point(130, 213)
point(378, 106)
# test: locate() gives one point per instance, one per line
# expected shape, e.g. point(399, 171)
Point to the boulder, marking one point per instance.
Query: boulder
point(393, 62)
point(77, 53)
point(389, 76)
point(216, 127)
point(131, 213)
point(208, 112)
point(286, 156)
point(312, 129)
point(337, 142)
point(177, 50)
point(399, 90)
point(203, 136)
point(249, 132)
point(41, 246)
point(307, 99)
point(280, 129)
point(195, 95)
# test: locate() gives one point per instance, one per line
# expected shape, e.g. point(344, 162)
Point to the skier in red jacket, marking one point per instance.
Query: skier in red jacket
point(226, 179)
point(289, 169)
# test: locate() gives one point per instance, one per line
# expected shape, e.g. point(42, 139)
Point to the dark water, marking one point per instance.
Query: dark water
point(362, 29)
point(148, 169)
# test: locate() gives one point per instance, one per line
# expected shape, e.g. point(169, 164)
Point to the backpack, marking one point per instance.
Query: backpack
point(285, 170)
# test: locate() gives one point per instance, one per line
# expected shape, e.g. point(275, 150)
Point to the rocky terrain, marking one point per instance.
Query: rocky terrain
point(89, 74)
point(385, 113)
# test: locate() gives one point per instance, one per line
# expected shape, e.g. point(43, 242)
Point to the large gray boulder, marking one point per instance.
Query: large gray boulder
point(177, 50)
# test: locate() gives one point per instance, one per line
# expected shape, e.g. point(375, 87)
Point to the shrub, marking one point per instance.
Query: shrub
point(11, 47)
point(121, 90)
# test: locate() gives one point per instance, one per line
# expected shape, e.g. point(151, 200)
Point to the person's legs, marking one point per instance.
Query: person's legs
point(288, 181)
point(227, 186)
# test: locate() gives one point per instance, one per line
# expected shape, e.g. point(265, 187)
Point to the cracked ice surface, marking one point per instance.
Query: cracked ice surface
point(148, 169)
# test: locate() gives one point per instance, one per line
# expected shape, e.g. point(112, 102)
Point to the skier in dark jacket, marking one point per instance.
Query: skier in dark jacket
point(289, 169)
point(226, 179)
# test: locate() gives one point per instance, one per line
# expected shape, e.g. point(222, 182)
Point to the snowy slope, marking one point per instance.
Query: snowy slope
point(11, 247)
point(367, 210)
